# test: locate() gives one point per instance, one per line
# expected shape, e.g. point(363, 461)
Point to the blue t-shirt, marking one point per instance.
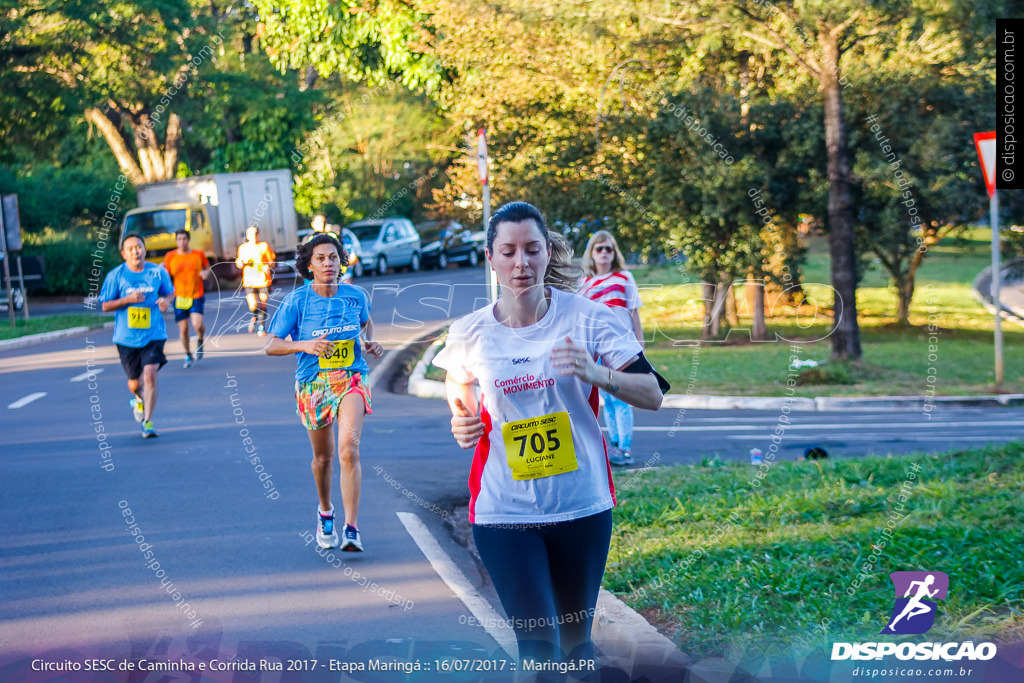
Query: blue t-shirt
point(304, 315)
point(136, 325)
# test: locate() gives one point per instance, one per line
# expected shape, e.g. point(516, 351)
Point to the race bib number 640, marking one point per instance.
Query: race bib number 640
point(539, 446)
point(342, 355)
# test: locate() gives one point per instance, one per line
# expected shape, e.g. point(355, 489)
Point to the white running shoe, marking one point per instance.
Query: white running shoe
point(137, 408)
point(326, 534)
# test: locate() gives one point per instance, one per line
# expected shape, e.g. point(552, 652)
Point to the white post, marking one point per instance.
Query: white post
point(994, 218)
point(481, 165)
point(492, 281)
point(7, 263)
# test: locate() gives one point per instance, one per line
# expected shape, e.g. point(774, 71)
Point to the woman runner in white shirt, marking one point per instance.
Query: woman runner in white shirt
point(522, 384)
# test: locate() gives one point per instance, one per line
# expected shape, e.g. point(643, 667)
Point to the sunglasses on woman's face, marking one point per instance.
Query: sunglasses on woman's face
point(604, 248)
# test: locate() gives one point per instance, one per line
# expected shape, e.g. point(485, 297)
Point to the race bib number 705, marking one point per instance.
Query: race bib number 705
point(539, 446)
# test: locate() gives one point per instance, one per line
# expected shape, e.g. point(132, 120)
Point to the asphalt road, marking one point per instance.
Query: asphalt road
point(232, 537)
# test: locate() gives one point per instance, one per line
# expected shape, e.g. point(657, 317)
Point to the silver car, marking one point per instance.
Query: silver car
point(386, 243)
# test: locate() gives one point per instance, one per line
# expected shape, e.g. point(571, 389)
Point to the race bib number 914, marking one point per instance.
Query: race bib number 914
point(539, 446)
point(341, 355)
point(138, 317)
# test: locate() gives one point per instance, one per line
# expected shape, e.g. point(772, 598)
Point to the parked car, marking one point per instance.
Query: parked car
point(352, 247)
point(448, 242)
point(385, 243)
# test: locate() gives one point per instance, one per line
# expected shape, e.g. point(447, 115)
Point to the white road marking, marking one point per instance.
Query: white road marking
point(485, 615)
point(86, 375)
point(841, 436)
point(831, 425)
point(25, 400)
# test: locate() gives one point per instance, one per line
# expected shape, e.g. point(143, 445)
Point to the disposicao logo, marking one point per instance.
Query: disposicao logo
point(913, 613)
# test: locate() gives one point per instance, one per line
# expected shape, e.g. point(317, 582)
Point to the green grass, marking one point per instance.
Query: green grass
point(48, 323)
point(727, 568)
point(896, 359)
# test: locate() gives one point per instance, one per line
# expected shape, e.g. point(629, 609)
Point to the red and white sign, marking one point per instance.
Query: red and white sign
point(481, 155)
point(986, 144)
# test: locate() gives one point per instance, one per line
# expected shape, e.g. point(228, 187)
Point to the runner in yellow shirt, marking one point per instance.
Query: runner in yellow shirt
point(255, 258)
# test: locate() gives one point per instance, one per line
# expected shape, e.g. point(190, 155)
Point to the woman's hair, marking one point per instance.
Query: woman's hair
point(618, 262)
point(561, 273)
point(513, 212)
point(305, 252)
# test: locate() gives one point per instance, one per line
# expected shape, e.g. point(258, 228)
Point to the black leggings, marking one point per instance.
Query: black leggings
point(548, 577)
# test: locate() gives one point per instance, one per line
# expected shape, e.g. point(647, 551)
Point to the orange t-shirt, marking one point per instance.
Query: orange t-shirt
point(184, 270)
point(256, 260)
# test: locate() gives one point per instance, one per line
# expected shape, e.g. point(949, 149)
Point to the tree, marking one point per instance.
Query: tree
point(122, 64)
point(370, 42)
point(814, 37)
point(143, 73)
point(374, 153)
point(919, 172)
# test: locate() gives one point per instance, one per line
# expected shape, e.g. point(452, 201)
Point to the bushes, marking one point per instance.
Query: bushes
point(68, 258)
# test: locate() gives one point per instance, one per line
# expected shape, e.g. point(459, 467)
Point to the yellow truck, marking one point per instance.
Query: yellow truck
point(216, 210)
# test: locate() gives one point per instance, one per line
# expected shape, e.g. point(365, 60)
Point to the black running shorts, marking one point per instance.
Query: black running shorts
point(134, 359)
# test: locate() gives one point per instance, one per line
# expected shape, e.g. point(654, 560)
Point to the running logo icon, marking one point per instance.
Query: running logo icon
point(913, 612)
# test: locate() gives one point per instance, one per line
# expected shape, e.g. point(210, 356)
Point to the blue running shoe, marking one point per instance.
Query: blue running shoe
point(353, 542)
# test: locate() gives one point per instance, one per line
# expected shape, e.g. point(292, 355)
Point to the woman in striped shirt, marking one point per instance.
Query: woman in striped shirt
point(607, 281)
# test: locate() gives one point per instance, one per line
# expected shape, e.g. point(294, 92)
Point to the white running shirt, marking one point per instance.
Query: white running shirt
point(518, 383)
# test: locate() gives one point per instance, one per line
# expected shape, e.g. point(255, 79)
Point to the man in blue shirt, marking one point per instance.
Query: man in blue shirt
point(136, 292)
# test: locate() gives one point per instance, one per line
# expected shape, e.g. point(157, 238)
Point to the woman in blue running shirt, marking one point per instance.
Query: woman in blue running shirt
point(324, 319)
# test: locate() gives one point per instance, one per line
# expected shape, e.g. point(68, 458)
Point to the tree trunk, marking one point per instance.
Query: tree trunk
point(118, 145)
point(756, 299)
point(148, 163)
point(706, 331)
point(845, 330)
point(732, 313)
point(906, 289)
point(720, 292)
point(905, 292)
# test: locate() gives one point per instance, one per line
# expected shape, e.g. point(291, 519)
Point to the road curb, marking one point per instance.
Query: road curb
point(982, 285)
point(30, 339)
point(385, 367)
point(628, 642)
point(420, 385)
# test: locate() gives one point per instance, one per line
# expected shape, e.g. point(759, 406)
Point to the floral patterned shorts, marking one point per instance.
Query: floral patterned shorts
point(318, 402)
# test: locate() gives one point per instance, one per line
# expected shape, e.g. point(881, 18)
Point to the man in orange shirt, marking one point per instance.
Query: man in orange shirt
point(256, 258)
point(188, 268)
